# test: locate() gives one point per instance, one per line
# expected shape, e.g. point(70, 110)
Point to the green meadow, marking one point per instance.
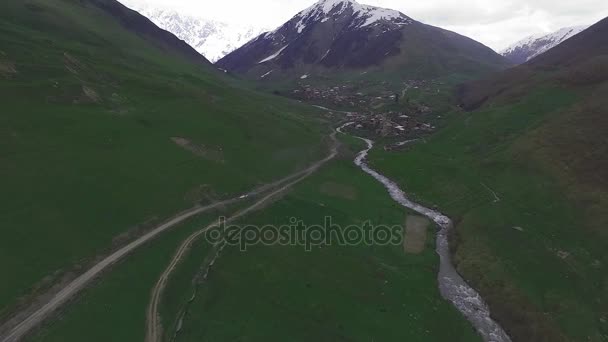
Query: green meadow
point(334, 292)
point(526, 233)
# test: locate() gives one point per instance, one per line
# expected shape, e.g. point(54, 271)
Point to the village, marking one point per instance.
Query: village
point(395, 129)
point(351, 95)
point(386, 114)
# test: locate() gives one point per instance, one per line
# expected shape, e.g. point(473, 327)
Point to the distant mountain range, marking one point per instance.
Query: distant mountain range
point(211, 38)
point(343, 35)
point(532, 46)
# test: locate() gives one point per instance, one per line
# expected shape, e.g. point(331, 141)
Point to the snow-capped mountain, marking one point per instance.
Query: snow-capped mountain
point(211, 38)
point(534, 45)
point(346, 35)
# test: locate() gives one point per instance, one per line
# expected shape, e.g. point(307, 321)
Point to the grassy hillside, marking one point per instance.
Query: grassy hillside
point(108, 126)
point(525, 178)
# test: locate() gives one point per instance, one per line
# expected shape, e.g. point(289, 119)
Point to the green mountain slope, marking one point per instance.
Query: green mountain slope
point(525, 176)
point(578, 62)
point(109, 125)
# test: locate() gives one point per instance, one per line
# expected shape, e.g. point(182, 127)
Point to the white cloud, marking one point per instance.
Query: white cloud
point(496, 23)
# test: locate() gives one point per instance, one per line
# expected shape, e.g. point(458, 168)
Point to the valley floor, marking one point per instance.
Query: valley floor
point(358, 292)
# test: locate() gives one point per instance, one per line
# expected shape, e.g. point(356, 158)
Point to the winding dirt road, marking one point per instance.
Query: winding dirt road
point(153, 321)
point(79, 283)
point(40, 314)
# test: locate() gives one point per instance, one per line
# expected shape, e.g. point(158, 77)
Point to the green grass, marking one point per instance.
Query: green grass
point(114, 308)
point(76, 173)
point(358, 293)
point(277, 293)
point(532, 254)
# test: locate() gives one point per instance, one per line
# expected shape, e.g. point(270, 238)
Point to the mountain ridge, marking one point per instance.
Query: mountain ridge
point(213, 39)
point(535, 45)
point(131, 20)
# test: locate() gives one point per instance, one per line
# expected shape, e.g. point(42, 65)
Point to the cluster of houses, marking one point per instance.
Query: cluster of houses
point(412, 122)
point(344, 96)
point(391, 124)
point(350, 95)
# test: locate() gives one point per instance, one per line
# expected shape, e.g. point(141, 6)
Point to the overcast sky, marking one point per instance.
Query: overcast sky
point(496, 23)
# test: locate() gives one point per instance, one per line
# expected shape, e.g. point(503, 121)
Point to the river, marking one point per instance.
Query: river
point(451, 285)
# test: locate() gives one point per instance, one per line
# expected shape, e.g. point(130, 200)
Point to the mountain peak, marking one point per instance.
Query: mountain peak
point(332, 3)
point(328, 5)
point(363, 15)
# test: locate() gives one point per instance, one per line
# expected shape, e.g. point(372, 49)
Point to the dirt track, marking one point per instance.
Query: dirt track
point(79, 283)
point(153, 324)
point(40, 314)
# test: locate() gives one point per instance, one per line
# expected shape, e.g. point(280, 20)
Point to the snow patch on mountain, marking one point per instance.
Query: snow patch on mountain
point(376, 14)
point(534, 45)
point(274, 55)
point(210, 38)
point(266, 74)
